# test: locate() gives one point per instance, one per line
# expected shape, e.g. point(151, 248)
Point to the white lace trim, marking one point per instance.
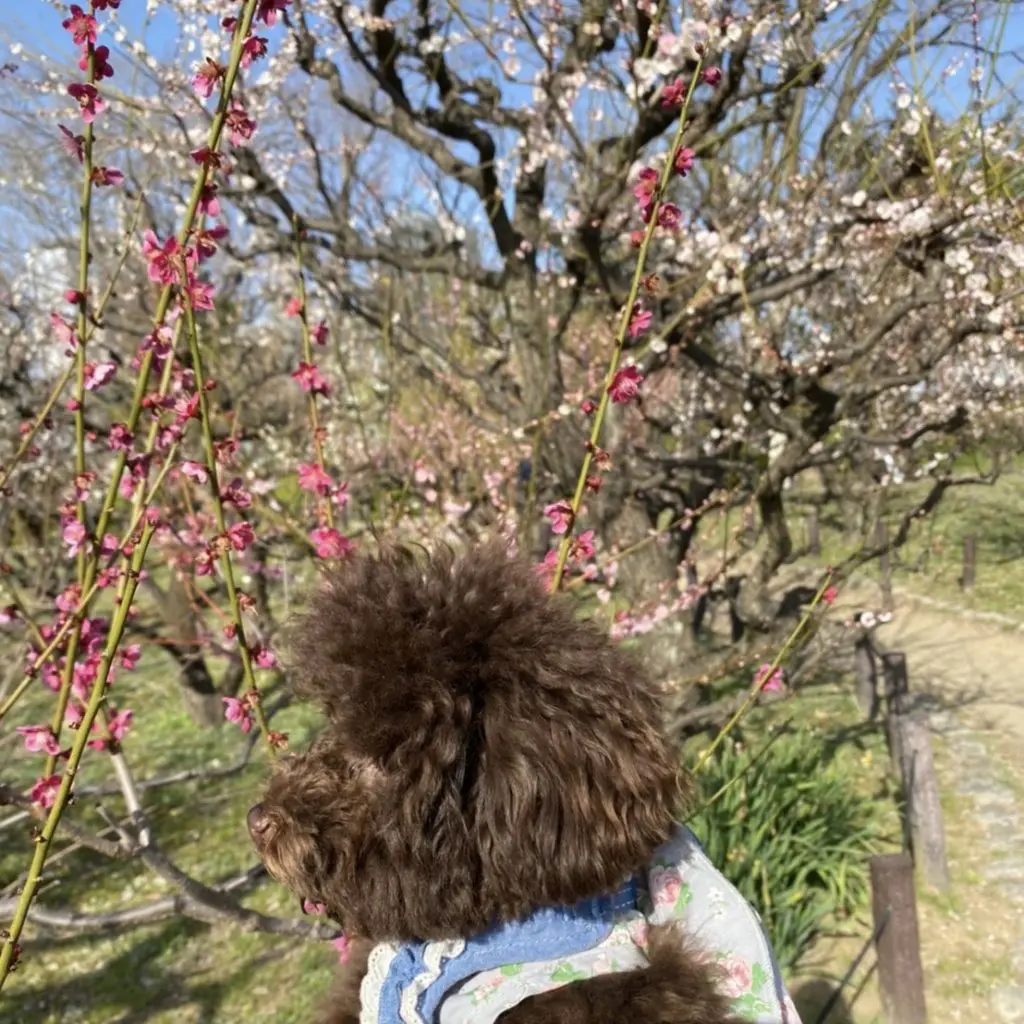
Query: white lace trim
point(377, 967)
point(433, 958)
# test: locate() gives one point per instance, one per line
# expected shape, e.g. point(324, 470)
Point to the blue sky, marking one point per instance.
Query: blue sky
point(37, 26)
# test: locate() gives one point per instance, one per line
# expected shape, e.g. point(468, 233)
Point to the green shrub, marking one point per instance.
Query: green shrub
point(792, 833)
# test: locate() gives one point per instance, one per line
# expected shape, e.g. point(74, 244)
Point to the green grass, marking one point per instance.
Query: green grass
point(177, 970)
point(931, 561)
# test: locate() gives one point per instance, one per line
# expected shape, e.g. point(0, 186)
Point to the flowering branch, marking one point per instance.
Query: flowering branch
point(77, 616)
point(654, 216)
point(767, 676)
point(125, 595)
point(28, 435)
point(326, 540)
point(239, 535)
point(207, 162)
point(88, 564)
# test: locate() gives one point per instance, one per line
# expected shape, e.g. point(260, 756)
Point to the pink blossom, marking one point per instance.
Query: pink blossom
point(239, 124)
point(130, 656)
point(105, 176)
point(101, 65)
point(683, 162)
point(546, 569)
point(108, 545)
point(209, 204)
point(830, 594)
point(207, 240)
point(236, 711)
point(205, 80)
point(66, 334)
point(162, 258)
point(203, 563)
point(312, 907)
point(200, 293)
point(647, 184)
point(293, 307)
point(8, 614)
point(240, 536)
point(311, 380)
point(319, 333)
point(329, 543)
point(73, 145)
point(669, 216)
point(90, 102)
point(639, 321)
point(187, 407)
point(264, 658)
point(587, 406)
point(236, 494)
point(268, 9)
point(102, 5)
point(67, 600)
point(253, 49)
point(768, 680)
point(313, 478)
point(711, 76)
point(120, 723)
point(583, 546)
point(159, 343)
point(673, 94)
point(625, 385)
point(81, 25)
point(73, 534)
point(39, 739)
point(100, 742)
point(98, 374)
point(209, 158)
point(561, 515)
point(121, 438)
point(44, 792)
point(194, 471)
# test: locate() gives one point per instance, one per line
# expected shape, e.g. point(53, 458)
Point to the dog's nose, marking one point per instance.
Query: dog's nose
point(258, 821)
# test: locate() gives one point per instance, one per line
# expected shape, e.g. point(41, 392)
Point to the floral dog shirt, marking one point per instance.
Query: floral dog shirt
point(474, 981)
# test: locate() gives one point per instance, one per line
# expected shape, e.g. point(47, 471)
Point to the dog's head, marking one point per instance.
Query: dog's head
point(486, 751)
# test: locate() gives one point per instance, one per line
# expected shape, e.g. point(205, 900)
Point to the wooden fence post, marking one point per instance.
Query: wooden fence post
point(884, 563)
point(867, 675)
point(923, 804)
point(813, 533)
point(967, 578)
point(900, 974)
point(897, 688)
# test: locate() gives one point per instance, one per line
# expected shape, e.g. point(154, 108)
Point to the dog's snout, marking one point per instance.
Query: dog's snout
point(258, 820)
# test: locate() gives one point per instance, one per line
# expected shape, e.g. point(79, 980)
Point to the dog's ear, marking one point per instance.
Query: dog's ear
point(576, 782)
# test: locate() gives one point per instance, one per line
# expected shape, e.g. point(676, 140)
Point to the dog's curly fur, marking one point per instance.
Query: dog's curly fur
point(486, 752)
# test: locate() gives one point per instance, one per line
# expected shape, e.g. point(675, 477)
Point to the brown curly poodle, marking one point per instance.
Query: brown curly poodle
point(487, 753)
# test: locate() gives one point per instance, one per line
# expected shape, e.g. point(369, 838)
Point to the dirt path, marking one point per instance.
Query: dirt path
point(970, 671)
